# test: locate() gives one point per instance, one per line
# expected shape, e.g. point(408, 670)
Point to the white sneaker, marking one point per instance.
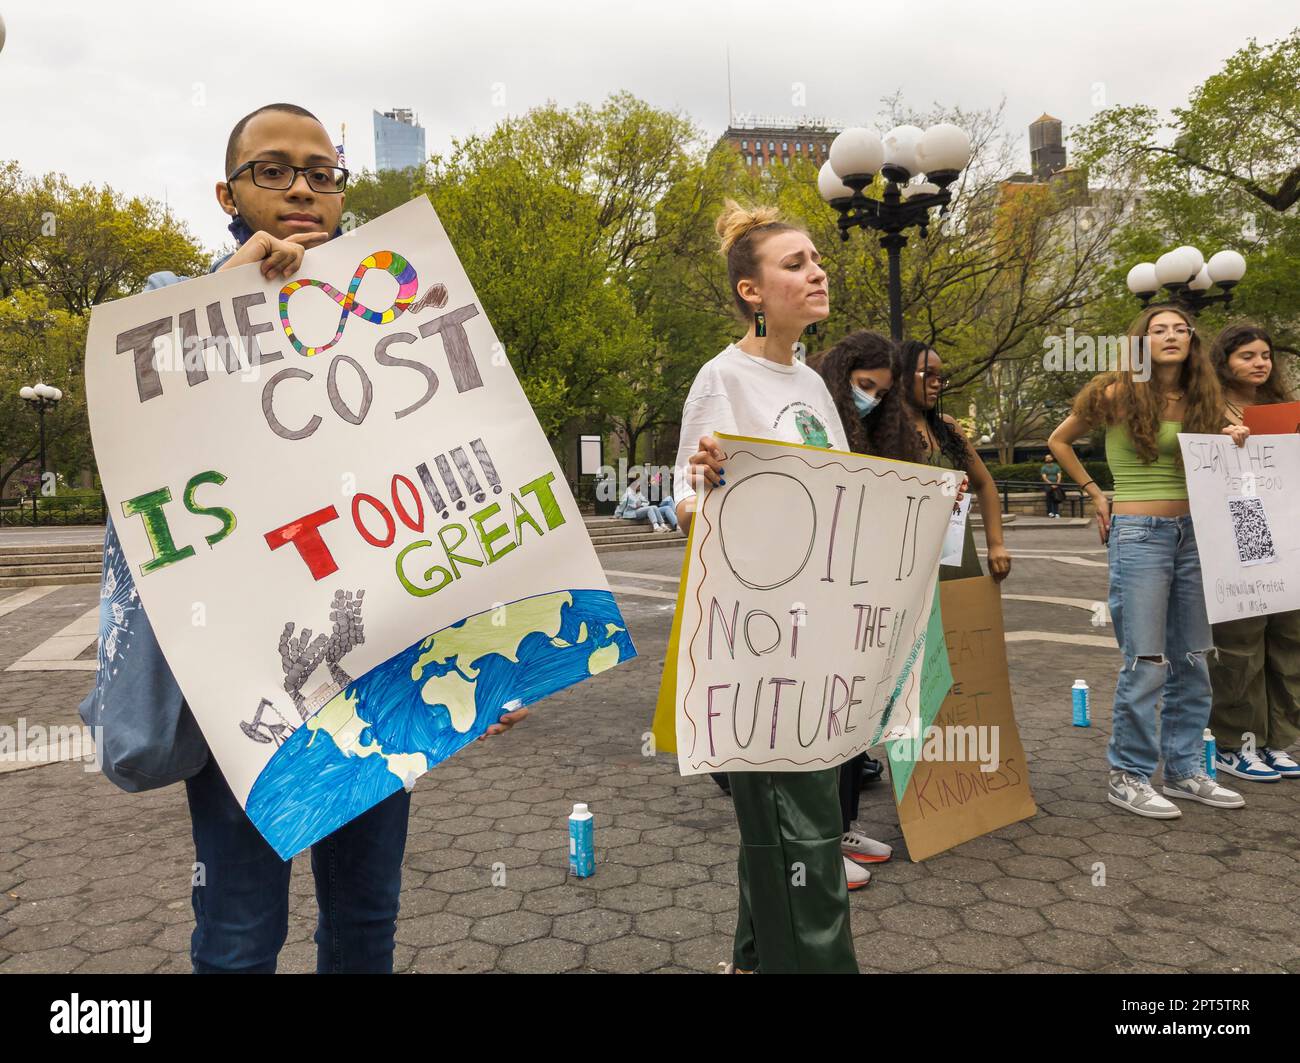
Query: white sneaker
point(1281, 762)
point(1202, 788)
point(1245, 765)
point(1138, 795)
point(857, 875)
point(863, 850)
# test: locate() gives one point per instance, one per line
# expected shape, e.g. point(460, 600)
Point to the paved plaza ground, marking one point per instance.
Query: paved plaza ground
point(96, 880)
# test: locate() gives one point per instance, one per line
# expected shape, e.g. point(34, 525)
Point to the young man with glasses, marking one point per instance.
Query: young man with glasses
point(284, 190)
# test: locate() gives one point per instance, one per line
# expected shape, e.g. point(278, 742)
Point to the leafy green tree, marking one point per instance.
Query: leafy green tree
point(566, 222)
point(41, 344)
point(370, 194)
point(63, 249)
point(83, 244)
point(1222, 172)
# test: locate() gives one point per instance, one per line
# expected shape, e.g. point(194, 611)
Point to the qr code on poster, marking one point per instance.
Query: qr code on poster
point(1251, 531)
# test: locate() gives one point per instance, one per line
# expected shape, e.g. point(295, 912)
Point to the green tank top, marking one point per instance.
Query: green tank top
point(1140, 481)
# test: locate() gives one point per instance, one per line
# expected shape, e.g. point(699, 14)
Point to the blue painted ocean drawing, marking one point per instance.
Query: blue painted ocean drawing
point(391, 725)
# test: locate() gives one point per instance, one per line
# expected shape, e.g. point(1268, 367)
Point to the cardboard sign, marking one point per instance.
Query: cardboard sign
point(803, 608)
point(1246, 512)
point(347, 529)
point(968, 775)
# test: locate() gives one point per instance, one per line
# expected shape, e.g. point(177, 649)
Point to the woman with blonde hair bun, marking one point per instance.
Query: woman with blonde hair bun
point(756, 387)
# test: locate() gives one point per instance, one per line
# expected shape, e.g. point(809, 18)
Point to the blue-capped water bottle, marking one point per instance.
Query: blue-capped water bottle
point(1079, 692)
point(1210, 752)
point(582, 842)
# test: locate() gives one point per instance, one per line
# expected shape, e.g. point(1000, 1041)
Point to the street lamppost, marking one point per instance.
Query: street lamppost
point(42, 397)
point(939, 153)
point(1188, 278)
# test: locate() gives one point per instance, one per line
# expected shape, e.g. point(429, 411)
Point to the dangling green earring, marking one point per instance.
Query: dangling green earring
point(760, 323)
point(811, 330)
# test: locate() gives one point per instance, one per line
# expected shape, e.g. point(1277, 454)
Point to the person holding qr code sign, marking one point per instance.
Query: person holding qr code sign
point(1156, 601)
point(1255, 676)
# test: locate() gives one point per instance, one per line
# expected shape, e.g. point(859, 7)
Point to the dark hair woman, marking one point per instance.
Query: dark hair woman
point(859, 374)
point(1255, 675)
point(921, 380)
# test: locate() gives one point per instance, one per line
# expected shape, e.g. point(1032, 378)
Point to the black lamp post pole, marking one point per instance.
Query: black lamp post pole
point(893, 243)
point(36, 507)
point(41, 404)
point(891, 215)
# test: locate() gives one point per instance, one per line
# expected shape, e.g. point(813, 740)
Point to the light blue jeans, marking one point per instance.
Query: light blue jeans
point(650, 513)
point(1158, 609)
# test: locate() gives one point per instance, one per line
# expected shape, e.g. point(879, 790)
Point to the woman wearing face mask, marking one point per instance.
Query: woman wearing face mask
point(756, 387)
point(859, 374)
point(1255, 676)
point(1156, 601)
point(941, 442)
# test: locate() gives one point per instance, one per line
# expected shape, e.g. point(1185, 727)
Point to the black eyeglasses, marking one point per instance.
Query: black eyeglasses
point(329, 180)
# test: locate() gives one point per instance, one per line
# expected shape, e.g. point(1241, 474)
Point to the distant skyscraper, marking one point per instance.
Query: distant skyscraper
point(399, 140)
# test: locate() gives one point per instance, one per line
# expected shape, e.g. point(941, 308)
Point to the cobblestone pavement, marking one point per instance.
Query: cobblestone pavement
point(96, 880)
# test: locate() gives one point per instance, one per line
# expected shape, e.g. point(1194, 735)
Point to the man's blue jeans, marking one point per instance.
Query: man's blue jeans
point(1158, 609)
point(241, 891)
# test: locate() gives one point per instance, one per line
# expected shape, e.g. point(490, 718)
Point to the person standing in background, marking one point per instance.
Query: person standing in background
point(1051, 474)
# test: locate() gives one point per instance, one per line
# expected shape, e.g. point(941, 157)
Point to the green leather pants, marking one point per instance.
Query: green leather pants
point(794, 898)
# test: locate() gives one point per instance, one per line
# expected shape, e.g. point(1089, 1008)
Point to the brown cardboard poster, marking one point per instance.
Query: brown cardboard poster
point(950, 798)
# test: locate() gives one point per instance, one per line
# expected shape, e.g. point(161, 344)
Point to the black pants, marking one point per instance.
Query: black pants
point(850, 790)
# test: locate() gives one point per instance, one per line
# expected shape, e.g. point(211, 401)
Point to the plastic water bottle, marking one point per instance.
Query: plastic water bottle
point(1209, 753)
point(1079, 692)
point(582, 846)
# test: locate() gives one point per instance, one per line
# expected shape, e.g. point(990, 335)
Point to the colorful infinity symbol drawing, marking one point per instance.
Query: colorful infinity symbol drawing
point(403, 272)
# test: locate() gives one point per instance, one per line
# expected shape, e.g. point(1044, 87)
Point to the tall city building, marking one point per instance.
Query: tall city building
point(399, 140)
point(762, 140)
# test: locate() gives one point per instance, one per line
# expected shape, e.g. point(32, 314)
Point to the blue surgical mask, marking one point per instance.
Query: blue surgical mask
point(864, 402)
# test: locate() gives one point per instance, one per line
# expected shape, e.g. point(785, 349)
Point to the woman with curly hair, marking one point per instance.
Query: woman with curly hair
point(859, 374)
point(1255, 676)
point(940, 442)
point(1156, 601)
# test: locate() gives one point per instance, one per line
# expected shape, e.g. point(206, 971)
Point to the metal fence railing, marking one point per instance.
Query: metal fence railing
point(41, 511)
point(1073, 497)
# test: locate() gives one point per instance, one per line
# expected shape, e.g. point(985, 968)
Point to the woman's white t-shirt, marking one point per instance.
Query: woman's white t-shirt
point(737, 393)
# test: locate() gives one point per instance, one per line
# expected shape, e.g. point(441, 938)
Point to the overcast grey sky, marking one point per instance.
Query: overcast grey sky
point(143, 95)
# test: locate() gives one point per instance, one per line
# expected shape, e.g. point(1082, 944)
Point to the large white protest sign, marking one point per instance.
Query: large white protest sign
point(1246, 511)
point(809, 581)
point(346, 526)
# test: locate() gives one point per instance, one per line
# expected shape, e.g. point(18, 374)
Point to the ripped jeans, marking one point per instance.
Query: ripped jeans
point(1158, 609)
